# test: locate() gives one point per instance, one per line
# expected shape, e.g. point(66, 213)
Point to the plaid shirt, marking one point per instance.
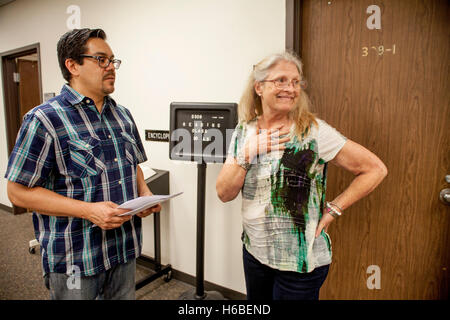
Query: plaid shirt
point(67, 146)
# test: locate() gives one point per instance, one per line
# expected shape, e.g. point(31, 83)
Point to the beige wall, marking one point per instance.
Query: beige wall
point(177, 50)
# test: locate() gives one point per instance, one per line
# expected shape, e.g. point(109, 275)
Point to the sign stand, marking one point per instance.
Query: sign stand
point(200, 293)
point(196, 124)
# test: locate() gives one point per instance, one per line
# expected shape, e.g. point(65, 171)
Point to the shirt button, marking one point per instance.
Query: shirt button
point(109, 136)
point(88, 101)
point(115, 159)
point(120, 181)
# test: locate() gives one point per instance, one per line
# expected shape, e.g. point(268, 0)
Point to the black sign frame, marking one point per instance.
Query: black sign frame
point(228, 122)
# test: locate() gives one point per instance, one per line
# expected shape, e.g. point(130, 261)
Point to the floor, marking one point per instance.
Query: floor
point(21, 273)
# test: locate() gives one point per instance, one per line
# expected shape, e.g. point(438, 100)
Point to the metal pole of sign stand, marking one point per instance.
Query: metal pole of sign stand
point(199, 293)
point(188, 122)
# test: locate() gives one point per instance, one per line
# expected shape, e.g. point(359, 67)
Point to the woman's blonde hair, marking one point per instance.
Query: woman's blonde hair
point(250, 105)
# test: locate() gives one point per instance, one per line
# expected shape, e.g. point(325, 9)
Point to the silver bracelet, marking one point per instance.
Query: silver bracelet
point(240, 160)
point(333, 211)
point(334, 204)
point(334, 215)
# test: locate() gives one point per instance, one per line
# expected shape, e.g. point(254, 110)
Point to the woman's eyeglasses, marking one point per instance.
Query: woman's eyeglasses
point(283, 83)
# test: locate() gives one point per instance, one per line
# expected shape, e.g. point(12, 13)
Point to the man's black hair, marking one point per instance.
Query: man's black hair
point(73, 44)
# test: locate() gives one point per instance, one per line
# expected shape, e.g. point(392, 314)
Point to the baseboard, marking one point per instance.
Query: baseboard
point(6, 208)
point(208, 286)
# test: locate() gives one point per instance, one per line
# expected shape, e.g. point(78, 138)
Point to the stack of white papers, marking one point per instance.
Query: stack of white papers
point(140, 204)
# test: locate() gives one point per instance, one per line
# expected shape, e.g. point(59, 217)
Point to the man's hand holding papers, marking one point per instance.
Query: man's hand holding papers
point(149, 211)
point(145, 205)
point(142, 207)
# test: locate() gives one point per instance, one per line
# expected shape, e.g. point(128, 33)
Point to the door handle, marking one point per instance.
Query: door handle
point(445, 196)
point(445, 193)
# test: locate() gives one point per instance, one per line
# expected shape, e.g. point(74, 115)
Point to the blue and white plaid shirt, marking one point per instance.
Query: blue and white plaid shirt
point(67, 146)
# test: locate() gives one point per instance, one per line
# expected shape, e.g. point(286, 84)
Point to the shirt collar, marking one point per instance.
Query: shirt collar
point(71, 95)
point(74, 97)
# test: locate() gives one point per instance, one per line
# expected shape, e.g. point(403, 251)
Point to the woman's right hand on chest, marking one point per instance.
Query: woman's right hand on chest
point(265, 141)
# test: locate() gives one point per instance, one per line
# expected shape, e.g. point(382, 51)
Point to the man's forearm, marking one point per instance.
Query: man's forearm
point(45, 201)
point(143, 189)
point(50, 203)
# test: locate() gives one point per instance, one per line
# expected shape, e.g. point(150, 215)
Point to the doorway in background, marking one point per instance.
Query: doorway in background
point(22, 90)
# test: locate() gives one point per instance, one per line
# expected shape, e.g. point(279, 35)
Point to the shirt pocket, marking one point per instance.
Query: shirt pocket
point(132, 152)
point(85, 157)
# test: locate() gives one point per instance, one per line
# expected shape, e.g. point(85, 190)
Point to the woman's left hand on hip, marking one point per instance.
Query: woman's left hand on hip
point(324, 223)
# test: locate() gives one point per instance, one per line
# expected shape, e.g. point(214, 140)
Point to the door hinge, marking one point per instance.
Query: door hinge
point(16, 77)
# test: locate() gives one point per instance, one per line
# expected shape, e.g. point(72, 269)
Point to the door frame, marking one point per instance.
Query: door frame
point(294, 26)
point(11, 95)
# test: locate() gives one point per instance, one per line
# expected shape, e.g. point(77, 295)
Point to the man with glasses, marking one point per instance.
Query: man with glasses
point(75, 161)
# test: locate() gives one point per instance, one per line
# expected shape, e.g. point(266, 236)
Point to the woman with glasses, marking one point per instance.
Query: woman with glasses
point(278, 157)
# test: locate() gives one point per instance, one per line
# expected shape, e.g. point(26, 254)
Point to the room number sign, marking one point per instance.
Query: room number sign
point(379, 50)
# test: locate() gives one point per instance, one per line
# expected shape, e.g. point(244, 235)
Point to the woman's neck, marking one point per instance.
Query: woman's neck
point(274, 121)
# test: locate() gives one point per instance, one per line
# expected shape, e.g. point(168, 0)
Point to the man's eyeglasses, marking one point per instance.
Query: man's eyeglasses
point(103, 61)
point(283, 83)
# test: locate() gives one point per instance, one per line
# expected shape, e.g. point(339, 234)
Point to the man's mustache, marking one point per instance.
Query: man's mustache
point(109, 75)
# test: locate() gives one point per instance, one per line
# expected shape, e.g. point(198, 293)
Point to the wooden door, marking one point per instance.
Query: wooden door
point(20, 96)
point(387, 89)
point(28, 85)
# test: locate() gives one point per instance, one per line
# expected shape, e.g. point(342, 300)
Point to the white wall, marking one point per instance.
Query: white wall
point(171, 50)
